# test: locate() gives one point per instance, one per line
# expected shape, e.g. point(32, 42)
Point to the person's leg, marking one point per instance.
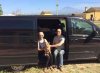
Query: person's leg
point(51, 60)
point(47, 61)
point(40, 57)
point(61, 57)
point(55, 56)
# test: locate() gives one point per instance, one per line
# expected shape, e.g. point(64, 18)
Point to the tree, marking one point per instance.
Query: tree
point(1, 12)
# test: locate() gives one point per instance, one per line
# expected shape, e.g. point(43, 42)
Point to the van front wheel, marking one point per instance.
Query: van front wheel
point(17, 67)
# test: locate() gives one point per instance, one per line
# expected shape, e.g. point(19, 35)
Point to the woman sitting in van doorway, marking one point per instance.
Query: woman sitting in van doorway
point(44, 51)
point(58, 43)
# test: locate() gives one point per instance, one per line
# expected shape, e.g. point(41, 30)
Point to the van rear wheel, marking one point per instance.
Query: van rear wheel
point(17, 67)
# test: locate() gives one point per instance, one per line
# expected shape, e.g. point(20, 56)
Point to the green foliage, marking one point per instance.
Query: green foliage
point(1, 11)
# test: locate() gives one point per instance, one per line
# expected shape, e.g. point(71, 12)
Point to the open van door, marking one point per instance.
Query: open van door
point(49, 25)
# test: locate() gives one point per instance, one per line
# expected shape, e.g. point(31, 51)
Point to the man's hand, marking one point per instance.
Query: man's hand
point(52, 45)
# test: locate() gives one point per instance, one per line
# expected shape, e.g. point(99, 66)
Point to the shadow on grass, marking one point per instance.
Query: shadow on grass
point(8, 69)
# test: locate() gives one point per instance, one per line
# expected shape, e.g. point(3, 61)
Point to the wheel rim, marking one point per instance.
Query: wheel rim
point(17, 67)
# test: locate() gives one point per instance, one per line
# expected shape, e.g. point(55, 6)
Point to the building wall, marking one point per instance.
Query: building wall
point(46, 14)
point(96, 15)
point(88, 15)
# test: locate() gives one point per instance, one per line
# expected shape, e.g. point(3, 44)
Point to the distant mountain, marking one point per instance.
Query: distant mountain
point(68, 10)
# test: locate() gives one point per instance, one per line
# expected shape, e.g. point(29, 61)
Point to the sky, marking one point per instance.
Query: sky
point(36, 6)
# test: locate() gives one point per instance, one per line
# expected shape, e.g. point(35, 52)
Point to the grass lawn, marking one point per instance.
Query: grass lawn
point(97, 23)
point(69, 68)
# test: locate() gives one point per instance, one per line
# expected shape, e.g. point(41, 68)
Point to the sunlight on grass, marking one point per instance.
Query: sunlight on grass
point(69, 68)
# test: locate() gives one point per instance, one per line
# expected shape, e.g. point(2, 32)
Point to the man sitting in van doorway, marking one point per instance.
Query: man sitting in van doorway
point(58, 43)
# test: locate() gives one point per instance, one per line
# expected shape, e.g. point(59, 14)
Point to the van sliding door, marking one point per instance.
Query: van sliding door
point(18, 40)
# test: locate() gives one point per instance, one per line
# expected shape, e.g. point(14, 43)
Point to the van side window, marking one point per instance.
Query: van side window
point(21, 30)
point(63, 24)
point(16, 24)
point(81, 27)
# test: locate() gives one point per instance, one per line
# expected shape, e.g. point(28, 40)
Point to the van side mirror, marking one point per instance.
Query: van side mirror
point(95, 30)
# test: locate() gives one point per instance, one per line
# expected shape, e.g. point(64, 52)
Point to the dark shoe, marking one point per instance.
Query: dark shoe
point(60, 68)
point(54, 66)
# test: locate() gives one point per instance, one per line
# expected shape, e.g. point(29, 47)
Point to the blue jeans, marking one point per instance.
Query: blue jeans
point(60, 59)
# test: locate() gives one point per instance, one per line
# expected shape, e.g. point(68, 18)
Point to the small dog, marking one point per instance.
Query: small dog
point(48, 55)
point(47, 49)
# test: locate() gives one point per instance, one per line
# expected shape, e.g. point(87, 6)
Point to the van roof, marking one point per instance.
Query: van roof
point(40, 16)
point(37, 16)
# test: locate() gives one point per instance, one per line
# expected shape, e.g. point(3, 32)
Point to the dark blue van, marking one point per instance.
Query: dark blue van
point(18, 38)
